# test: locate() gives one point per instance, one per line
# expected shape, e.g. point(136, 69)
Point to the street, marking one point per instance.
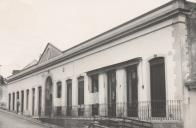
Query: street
point(9, 121)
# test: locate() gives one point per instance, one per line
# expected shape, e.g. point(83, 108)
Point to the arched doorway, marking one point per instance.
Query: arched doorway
point(48, 96)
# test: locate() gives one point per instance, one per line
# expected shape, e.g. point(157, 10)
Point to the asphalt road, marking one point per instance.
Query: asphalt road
point(9, 121)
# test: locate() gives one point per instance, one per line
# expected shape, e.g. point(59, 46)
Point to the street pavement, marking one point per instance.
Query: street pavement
point(8, 120)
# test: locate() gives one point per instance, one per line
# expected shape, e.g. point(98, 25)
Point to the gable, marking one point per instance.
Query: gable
point(49, 53)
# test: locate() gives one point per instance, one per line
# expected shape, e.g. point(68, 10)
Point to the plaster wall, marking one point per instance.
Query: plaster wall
point(190, 90)
point(158, 40)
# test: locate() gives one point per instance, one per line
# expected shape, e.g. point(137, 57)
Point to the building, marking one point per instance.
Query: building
point(144, 69)
point(3, 93)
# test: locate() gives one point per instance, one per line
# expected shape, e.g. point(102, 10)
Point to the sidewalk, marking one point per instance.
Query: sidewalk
point(29, 119)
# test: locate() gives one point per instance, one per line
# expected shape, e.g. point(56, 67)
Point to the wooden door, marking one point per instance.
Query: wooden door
point(111, 93)
point(9, 101)
point(158, 91)
point(48, 96)
point(13, 101)
point(69, 97)
point(22, 102)
point(33, 101)
point(132, 91)
point(17, 102)
point(39, 100)
point(81, 96)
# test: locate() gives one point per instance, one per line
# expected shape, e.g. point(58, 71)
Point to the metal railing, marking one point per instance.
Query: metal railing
point(143, 110)
point(119, 123)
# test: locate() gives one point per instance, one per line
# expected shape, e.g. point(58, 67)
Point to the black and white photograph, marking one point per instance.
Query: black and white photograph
point(97, 63)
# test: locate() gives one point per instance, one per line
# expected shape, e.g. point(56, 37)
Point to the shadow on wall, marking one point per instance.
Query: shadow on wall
point(3, 96)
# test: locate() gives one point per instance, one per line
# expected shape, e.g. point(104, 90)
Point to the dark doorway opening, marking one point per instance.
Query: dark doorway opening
point(27, 99)
point(111, 93)
point(48, 96)
point(132, 91)
point(13, 101)
point(9, 101)
point(95, 109)
point(33, 101)
point(158, 91)
point(39, 100)
point(22, 102)
point(81, 96)
point(69, 97)
point(17, 102)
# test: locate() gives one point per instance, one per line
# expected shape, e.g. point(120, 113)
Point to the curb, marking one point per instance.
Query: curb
point(35, 121)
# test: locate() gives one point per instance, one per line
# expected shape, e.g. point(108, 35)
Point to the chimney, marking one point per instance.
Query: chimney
point(2, 80)
point(181, 3)
point(14, 72)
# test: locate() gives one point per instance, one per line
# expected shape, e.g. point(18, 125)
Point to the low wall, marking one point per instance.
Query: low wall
point(68, 123)
point(168, 124)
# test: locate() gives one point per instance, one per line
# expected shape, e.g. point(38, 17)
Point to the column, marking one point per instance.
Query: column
point(25, 101)
point(75, 96)
point(36, 101)
point(54, 104)
point(121, 92)
point(13, 105)
point(103, 94)
point(15, 101)
point(9, 101)
point(64, 97)
point(88, 107)
point(144, 90)
point(30, 101)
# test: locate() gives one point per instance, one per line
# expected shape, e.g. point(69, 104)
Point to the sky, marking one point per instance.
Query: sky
point(26, 26)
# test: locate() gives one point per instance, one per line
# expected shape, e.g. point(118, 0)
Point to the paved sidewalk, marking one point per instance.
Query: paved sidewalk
point(12, 120)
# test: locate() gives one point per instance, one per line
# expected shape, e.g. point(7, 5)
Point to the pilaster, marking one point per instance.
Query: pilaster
point(103, 94)
point(121, 92)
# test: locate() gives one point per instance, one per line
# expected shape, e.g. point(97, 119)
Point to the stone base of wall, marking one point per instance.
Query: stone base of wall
point(168, 124)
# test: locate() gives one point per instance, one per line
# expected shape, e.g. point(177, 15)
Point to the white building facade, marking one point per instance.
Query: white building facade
point(140, 69)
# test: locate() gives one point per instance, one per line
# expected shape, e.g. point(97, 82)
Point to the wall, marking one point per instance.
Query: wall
point(190, 79)
point(145, 44)
point(4, 96)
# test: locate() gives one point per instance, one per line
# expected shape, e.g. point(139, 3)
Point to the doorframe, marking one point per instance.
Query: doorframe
point(22, 101)
point(69, 107)
point(164, 56)
point(148, 75)
point(135, 67)
point(114, 70)
point(40, 100)
point(9, 107)
point(52, 105)
point(33, 101)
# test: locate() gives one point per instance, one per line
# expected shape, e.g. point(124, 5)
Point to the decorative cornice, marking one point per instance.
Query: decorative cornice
point(144, 21)
point(121, 65)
